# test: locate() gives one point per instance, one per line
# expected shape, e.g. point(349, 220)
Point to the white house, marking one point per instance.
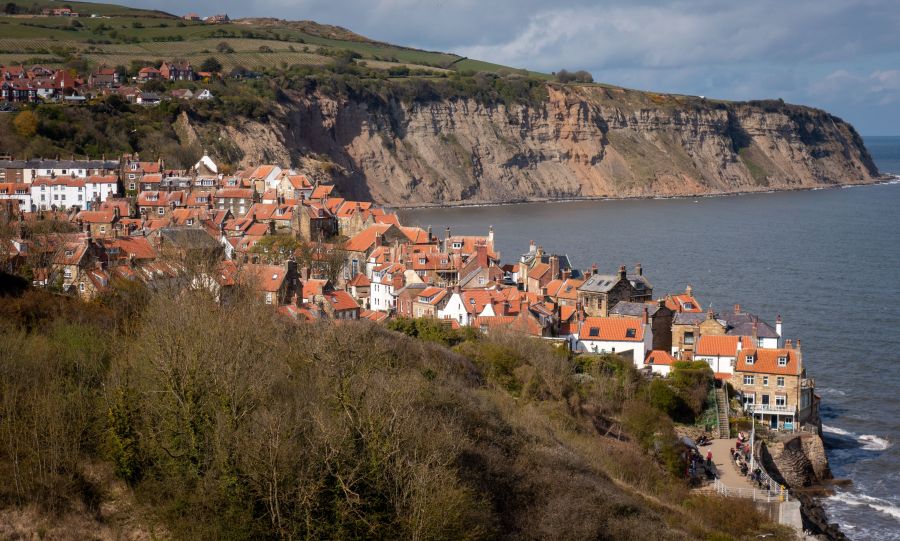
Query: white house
point(386, 280)
point(17, 192)
point(465, 306)
point(204, 94)
point(68, 192)
point(660, 362)
point(615, 335)
point(721, 352)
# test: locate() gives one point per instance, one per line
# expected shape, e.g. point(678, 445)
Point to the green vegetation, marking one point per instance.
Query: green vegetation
point(230, 423)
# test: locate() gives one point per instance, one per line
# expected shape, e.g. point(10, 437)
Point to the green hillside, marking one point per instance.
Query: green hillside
point(118, 35)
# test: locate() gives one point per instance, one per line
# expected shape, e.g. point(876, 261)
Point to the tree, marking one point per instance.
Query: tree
point(26, 124)
point(211, 65)
point(11, 8)
point(154, 85)
point(224, 47)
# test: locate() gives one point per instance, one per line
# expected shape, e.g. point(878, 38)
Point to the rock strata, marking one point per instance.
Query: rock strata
point(583, 141)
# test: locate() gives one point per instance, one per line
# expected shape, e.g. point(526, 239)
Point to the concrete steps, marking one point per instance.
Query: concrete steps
point(722, 402)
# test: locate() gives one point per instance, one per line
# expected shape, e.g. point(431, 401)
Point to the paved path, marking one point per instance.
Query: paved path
point(728, 473)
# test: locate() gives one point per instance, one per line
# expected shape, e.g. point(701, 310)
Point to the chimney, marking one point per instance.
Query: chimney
point(491, 234)
point(593, 269)
point(554, 267)
point(798, 345)
point(379, 240)
point(566, 274)
point(689, 291)
point(430, 236)
point(448, 232)
point(539, 254)
point(788, 344)
point(737, 308)
point(623, 274)
point(755, 332)
point(661, 303)
point(639, 270)
point(709, 314)
point(778, 325)
point(645, 316)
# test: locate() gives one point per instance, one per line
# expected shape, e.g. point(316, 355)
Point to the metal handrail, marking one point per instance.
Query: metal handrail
point(754, 494)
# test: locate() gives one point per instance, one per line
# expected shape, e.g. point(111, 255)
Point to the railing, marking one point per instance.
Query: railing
point(766, 408)
point(755, 494)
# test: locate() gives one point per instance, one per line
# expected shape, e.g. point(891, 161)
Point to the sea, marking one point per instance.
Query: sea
point(827, 261)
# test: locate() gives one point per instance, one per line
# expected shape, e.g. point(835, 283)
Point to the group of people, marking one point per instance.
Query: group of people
point(741, 456)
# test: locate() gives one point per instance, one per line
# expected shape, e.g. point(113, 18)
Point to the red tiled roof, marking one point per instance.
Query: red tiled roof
point(360, 280)
point(659, 358)
point(766, 361)
point(341, 300)
point(612, 329)
point(679, 303)
point(366, 238)
point(720, 346)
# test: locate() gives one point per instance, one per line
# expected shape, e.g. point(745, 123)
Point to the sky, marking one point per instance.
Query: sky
point(839, 55)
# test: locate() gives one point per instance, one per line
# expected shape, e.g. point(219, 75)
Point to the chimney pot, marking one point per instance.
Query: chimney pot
point(639, 270)
point(689, 291)
point(622, 272)
point(737, 308)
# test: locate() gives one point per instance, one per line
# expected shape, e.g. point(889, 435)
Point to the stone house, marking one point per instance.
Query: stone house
point(659, 315)
point(600, 292)
point(772, 384)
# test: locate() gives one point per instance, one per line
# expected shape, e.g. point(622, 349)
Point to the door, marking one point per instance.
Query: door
point(774, 422)
point(765, 400)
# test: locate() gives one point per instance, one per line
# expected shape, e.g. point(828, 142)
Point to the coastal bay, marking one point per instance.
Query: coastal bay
point(826, 260)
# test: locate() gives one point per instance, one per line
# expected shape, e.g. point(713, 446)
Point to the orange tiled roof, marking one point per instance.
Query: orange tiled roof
point(720, 346)
point(659, 358)
point(683, 303)
point(341, 300)
point(765, 361)
point(612, 329)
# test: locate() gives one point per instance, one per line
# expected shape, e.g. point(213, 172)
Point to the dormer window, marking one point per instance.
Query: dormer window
point(749, 359)
point(70, 253)
point(688, 306)
point(782, 361)
point(190, 221)
point(422, 261)
point(595, 332)
point(457, 245)
point(630, 333)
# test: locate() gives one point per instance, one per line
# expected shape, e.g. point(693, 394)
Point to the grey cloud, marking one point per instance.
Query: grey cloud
point(737, 50)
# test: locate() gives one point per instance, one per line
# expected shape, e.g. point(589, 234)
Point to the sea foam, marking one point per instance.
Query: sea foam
point(856, 500)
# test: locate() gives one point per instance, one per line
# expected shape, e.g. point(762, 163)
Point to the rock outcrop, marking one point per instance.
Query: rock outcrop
point(583, 141)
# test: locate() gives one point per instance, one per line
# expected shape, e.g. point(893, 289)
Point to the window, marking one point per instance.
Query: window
point(779, 381)
point(594, 332)
point(765, 381)
point(161, 210)
point(688, 306)
point(749, 359)
point(81, 286)
point(749, 399)
point(759, 342)
point(131, 186)
point(782, 361)
point(780, 400)
point(748, 380)
point(457, 245)
point(630, 333)
point(67, 274)
point(131, 176)
point(268, 298)
point(689, 338)
point(103, 229)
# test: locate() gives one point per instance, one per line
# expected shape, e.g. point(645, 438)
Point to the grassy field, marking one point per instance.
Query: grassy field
point(119, 35)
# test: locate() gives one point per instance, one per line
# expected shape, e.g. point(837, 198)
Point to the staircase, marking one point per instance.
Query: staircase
point(722, 404)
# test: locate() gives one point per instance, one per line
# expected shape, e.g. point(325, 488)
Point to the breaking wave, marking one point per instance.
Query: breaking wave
point(878, 504)
point(869, 442)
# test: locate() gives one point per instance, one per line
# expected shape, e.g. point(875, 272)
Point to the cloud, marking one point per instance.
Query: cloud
point(818, 52)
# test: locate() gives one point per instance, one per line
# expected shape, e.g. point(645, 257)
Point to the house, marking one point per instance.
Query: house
point(192, 17)
point(65, 192)
point(182, 94)
point(615, 335)
point(217, 19)
point(721, 352)
point(100, 223)
point(148, 99)
point(359, 287)
point(340, 305)
point(176, 71)
point(428, 301)
point(660, 317)
point(684, 303)
point(104, 77)
point(274, 283)
point(659, 362)
point(236, 200)
point(772, 384)
point(205, 94)
point(386, 281)
point(529, 320)
point(600, 292)
point(148, 73)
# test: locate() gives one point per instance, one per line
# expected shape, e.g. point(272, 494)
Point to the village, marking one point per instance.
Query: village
point(314, 255)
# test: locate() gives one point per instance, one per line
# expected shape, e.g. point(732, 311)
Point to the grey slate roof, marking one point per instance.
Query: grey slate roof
point(634, 309)
point(600, 283)
point(59, 164)
point(689, 318)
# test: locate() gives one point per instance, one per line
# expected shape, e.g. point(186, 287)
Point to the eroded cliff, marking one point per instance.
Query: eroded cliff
point(583, 141)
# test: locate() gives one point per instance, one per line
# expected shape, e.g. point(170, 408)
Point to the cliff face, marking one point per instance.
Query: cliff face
point(587, 141)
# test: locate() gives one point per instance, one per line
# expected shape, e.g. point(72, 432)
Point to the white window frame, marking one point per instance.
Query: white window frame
point(779, 381)
point(749, 379)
